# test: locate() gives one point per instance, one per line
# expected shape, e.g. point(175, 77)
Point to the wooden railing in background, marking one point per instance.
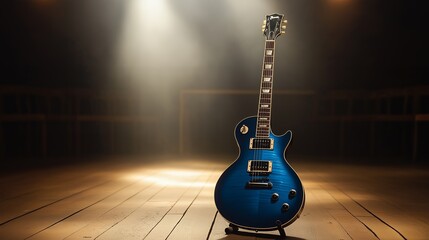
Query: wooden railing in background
point(27, 107)
point(408, 105)
point(43, 107)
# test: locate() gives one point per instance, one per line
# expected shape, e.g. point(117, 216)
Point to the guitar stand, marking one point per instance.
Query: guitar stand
point(281, 230)
point(233, 229)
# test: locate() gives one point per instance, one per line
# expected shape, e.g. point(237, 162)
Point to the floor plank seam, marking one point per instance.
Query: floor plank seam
point(339, 223)
point(377, 217)
point(326, 211)
point(46, 205)
point(35, 190)
point(112, 208)
point(160, 222)
point(82, 209)
point(211, 226)
point(184, 192)
point(186, 210)
point(350, 213)
point(381, 220)
point(129, 213)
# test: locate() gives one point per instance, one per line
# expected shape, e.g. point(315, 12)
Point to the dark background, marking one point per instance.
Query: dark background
point(85, 78)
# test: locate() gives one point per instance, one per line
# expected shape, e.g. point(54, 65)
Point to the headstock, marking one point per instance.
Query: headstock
point(274, 26)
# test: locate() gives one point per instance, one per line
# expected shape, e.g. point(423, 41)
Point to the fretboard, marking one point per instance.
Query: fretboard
point(265, 94)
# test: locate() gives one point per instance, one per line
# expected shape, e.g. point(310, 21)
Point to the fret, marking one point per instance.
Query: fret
point(267, 72)
point(269, 44)
point(265, 100)
point(268, 59)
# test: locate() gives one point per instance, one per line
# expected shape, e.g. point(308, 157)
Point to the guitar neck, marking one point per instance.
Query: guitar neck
point(265, 92)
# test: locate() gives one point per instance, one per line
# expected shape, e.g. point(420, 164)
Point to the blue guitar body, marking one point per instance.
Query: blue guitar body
point(260, 190)
point(260, 199)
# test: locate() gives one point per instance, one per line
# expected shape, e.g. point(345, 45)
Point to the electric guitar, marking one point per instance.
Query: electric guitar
point(260, 190)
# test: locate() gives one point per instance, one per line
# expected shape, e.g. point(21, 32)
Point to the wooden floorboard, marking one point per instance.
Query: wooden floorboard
point(168, 223)
point(48, 216)
point(41, 197)
point(79, 220)
point(174, 200)
point(196, 223)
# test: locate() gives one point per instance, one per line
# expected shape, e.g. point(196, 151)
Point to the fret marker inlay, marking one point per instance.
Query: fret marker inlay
point(266, 90)
point(267, 79)
point(269, 52)
point(268, 66)
point(264, 105)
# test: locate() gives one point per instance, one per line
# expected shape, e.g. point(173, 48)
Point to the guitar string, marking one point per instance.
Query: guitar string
point(260, 131)
point(266, 96)
point(259, 141)
point(266, 131)
point(271, 89)
point(256, 142)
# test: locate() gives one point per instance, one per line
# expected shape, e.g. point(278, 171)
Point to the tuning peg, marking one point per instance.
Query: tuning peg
point(263, 26)
point(285, 21)
point(284, 27)
point(265, 22)
point(263, 30)
point(283, 31)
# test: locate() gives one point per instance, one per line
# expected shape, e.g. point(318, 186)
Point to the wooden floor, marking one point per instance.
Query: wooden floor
point(175, 201)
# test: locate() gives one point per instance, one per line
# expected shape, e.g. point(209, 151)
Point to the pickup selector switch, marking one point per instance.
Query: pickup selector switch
point(285, 207)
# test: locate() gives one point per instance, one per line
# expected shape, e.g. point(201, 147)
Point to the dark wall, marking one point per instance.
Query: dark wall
point(100, 47)
point(329, 44)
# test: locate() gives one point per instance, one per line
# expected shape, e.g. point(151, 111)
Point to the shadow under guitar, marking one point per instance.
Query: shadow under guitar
point(233, 236)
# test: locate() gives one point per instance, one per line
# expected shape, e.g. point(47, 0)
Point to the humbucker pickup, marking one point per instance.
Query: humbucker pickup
point(261, 143)
point(259, 166)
